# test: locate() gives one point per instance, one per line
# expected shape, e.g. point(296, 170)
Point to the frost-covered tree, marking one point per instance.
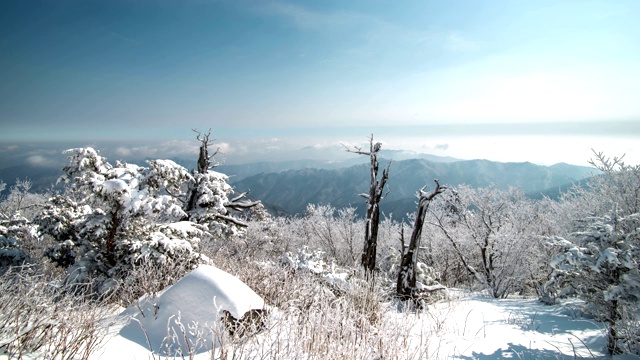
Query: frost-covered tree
point(334, 231)
point(15, 231)
point(599, 261)
point(21, 199)
point(18, 235)
point(407, 286)
point(375, 195)
point(488, 230)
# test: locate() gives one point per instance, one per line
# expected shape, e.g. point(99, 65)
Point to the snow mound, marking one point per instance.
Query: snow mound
point(185, 316)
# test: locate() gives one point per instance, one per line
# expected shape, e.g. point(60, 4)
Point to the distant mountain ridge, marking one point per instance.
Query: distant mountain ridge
point(237, 172)
point(292, 190)
point(287, 187)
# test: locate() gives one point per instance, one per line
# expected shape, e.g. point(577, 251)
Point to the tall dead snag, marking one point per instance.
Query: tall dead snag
point(374, 196)
point(406, 287)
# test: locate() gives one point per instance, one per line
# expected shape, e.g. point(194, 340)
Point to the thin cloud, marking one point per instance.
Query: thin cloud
point(372, 29)
point(310, 20)
point(42, 161)
point(166, 149)
point(8, 148)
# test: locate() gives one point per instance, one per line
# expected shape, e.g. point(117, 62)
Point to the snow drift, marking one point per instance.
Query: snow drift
point(184, 317)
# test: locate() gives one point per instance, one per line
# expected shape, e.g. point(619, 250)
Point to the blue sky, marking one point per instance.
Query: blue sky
point(540, 81)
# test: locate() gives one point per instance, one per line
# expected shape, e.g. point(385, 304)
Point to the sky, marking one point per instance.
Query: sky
point(540, 81)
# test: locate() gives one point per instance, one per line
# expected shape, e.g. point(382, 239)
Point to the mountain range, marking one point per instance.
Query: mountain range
point(290, 191)
point(287, 187)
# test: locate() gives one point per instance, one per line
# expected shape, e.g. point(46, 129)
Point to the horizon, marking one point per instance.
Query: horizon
point(575, 150)
point(542, 82)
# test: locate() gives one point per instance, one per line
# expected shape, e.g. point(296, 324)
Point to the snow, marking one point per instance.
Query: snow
point(477, 327)
point(198, 300)
point(185, 228)
point(469, 326)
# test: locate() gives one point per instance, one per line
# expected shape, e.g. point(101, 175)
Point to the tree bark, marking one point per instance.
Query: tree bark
point(406, 285)
point(376, 190)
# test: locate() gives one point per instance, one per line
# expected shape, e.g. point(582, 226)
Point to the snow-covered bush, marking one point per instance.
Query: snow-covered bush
point(313, 262)
point(599, 262)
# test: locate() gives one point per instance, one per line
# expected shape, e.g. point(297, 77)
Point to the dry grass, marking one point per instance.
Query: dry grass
point(310, 319)
point(38, 317)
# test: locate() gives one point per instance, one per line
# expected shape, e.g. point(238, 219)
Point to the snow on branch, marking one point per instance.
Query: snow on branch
point(231, 220)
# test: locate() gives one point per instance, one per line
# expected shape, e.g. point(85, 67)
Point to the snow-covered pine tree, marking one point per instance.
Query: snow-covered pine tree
point(117, 216)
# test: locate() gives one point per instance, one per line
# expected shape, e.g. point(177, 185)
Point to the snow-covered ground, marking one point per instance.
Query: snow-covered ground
point(477, 327)
point(469, 326)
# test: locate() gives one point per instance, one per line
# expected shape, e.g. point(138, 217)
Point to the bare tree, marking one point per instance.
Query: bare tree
point(374, 196)
point(406, 286)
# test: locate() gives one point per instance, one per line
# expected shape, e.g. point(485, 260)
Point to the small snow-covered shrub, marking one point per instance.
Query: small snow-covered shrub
point(306, 261)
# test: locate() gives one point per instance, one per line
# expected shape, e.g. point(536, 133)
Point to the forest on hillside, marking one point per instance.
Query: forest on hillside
point(119, 231)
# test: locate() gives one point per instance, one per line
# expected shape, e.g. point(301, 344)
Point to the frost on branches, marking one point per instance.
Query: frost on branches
point(600, 264)
point(18, 235)
point(602, 268)
point(113, 218)
point(13, 231)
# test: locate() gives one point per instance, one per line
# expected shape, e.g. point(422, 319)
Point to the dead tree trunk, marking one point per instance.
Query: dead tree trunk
point(406, 286)
point(374, 197)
